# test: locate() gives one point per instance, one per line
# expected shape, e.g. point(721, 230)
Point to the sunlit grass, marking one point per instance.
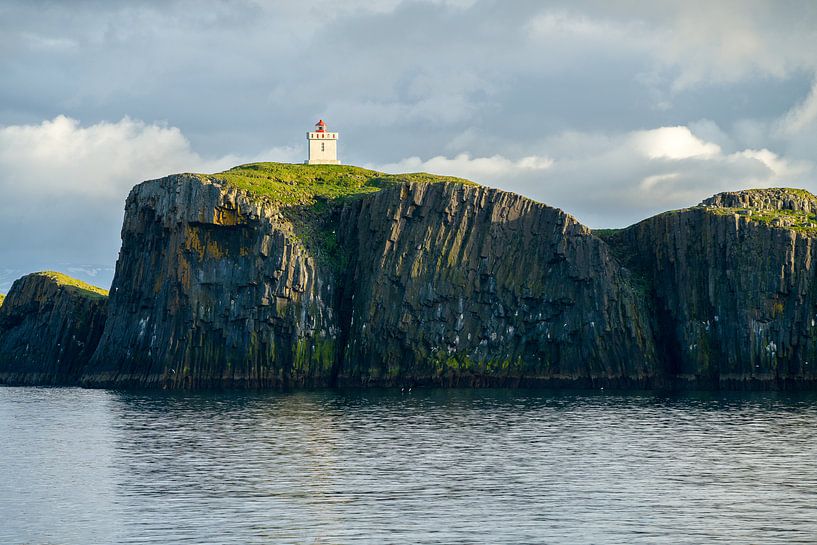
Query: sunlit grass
point(294, 184)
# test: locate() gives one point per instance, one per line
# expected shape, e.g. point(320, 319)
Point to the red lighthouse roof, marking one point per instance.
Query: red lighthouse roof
point(321, 126)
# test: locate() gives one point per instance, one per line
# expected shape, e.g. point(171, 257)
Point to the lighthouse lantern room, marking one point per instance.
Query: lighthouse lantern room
point(323, 146)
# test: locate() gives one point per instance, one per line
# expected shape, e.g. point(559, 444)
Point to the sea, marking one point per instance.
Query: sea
point(426, 466)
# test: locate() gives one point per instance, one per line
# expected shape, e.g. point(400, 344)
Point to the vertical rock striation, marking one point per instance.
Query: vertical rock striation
point(49, 327)
point(284, 275)
point(213, 288)
point(464, 284)
point(431, 283)
point(734, 291)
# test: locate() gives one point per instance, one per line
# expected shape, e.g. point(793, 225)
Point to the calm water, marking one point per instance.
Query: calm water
point(89, 466)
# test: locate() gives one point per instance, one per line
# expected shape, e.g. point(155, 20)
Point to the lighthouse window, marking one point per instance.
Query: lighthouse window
point(322, 146)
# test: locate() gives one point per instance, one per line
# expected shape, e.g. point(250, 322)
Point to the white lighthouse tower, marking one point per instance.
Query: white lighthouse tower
point(323, 146)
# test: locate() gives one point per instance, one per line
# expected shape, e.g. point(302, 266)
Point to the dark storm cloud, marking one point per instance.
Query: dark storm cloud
point(553, 100)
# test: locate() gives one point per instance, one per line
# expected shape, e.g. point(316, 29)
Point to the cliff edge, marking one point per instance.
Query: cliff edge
point(732, 288)
point(49, 327)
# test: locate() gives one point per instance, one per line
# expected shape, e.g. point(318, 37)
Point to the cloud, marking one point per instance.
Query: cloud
point(800, 116)
point(479, 169)
point(703, 42)
point(625, 108)
point(64, 186)
point(672, 143)
point(618, 179)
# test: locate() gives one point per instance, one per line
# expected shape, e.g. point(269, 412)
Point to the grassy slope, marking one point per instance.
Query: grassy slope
point(796, 220)
point(78, 286)
point(309, 195)
point(2, 298)
point(292, 184)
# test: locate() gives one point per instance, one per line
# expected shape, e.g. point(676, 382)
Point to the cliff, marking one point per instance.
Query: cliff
point(359, 279)
point(49, 327)
point(272, 275)
point(464, 284)
point(732, 288)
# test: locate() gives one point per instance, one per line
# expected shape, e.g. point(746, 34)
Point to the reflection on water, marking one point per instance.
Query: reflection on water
point(433, 466)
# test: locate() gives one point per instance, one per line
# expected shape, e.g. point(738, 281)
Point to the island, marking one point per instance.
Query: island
point(277, 275)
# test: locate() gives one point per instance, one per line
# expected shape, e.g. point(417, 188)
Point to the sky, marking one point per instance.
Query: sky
point(610, 110)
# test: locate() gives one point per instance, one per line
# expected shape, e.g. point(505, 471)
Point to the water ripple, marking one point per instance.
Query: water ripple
point(432, 467)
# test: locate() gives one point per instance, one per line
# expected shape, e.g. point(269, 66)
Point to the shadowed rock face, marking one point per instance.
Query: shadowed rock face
point(433, 283)
point(734, 298)
point(465, 284)
point(48, 330)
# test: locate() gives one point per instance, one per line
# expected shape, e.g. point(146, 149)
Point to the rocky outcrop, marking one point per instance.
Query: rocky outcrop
point(262, 279)
point(734, 298)
point(464, 284)
point(765, 199)
point(213, 288)
point(430, 283)
point(49, 327)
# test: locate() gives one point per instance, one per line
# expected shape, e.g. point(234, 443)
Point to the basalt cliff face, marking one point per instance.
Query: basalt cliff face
point(213, 288)
point(49, 328)
point(285, 275)
point(732, 287)
point(464, 284)
point(430, 283)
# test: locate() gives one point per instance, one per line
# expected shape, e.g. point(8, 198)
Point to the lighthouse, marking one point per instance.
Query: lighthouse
point(323, 146)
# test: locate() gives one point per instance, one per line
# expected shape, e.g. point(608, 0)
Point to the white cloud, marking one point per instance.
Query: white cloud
point(800, 116)
point(486, 170)
point(101, 161)
point(550, 23)
point(64, 185)
point(617, 179)
point(651, 182)
point(704, 42)
point(672, 143)
point(782, 171)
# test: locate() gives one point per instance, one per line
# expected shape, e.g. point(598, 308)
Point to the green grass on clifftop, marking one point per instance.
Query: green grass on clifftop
point(776, 207)
point(796, 220)
point(294, 184)
point(79, 286)
point(309, 196)
point(2, 298)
